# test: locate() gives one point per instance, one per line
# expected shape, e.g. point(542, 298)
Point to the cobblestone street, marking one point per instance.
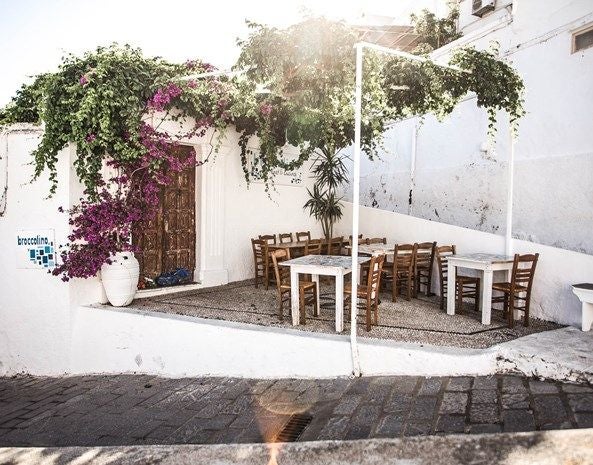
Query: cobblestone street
point(127, 410)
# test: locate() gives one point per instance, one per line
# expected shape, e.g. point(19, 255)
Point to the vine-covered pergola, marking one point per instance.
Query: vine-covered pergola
point(100, 102)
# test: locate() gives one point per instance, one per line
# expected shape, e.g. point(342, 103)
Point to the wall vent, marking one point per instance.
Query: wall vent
point(481, 7)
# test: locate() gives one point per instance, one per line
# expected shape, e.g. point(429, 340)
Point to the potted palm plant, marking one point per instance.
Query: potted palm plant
point(325, 203)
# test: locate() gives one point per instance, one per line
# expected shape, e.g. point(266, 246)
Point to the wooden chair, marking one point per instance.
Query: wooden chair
point(518, 289)
point(303, 236)
point(313, 247)
point(423, 266)
point(368, 292)
point(377, 240)
point(259, 260)
point(400, 272)
point(307, 289)
point(284, 238)
point(269, 238)
point(465, 286)
point(334, 246)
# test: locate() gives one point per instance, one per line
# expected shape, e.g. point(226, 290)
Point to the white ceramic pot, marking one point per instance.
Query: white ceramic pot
point(120, 278)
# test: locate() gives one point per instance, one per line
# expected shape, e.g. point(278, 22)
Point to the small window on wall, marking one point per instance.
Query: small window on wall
point(582, 39)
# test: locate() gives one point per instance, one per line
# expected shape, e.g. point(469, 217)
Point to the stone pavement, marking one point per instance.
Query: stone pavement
point(140, 409)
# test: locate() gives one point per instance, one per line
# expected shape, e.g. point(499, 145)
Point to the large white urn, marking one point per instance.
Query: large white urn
point(120, 278)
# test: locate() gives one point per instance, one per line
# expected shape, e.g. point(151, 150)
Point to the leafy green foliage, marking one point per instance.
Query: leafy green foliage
point(435, 32)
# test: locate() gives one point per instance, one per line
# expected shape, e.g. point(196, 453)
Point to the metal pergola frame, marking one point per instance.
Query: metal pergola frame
point(360, 46)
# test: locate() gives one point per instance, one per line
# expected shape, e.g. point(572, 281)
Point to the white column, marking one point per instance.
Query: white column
point(210, 219)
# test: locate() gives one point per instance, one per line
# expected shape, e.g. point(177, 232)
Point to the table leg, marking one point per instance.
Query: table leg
point(315, 279)
point(486, 284)
point(340, 303)
point(451, 273)
point(294, 296)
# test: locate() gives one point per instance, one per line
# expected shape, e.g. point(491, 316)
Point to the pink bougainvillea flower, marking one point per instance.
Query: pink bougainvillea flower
point(265, 109)
point(83, 81)
point(91, 138)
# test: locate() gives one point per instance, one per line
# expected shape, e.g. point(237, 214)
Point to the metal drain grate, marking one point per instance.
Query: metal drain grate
point(294, 428)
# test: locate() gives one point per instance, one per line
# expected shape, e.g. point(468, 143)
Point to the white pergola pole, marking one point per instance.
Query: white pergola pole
point(510, 194)
point(356, 179)
point(356, 209)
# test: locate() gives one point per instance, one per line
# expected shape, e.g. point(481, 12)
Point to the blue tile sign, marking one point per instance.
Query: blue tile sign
point(36, 248)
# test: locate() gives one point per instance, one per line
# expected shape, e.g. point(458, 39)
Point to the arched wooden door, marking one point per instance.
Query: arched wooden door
point(169, 241)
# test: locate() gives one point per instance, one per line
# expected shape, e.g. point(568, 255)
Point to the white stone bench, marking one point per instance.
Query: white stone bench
point(585, 293)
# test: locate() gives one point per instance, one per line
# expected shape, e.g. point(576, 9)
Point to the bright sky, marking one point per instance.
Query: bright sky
point(34, 34)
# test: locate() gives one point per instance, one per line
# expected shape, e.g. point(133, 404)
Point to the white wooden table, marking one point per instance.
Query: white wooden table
point(584, 292)
point(487, 264)
point(316, 265)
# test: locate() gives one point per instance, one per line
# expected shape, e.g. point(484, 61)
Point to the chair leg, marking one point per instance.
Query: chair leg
point(511, 310)
point(526, 312)
point(459, 286)
point(410, 292)
point(376, 305)
point(315, 291)
point(368, 317)
point(477, 295)
point(280, 307)
point(394, 288)
point(256, 277)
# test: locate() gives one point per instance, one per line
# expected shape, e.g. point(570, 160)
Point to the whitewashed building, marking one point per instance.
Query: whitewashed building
point(435, 174)
point(439, 181)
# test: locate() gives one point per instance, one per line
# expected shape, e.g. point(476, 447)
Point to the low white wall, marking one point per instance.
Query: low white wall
point(557, 269)
point(35, 307)
point(129, 341)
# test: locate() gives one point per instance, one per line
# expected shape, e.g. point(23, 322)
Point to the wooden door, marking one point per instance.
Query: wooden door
point(169, 241)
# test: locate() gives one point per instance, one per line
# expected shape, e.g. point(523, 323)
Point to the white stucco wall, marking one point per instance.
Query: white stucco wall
point(36, 309)
point(457, 183)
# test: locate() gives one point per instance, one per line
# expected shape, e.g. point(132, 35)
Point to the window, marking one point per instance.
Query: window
point(582, 39)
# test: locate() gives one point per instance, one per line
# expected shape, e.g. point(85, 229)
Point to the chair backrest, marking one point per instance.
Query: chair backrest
point(282, 272)
point(442, 254)
point(303, 236)
point(269, 238)
point(374, 276)
point(285, 237)
point(404, 257)
point(425, 254)
point(361, 241)
point(313, 247)
point(524, 270)
point(334, 245)
point(258, 246)
point(377, 240)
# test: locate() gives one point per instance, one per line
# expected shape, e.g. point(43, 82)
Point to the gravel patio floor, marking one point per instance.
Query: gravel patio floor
point(419, 320)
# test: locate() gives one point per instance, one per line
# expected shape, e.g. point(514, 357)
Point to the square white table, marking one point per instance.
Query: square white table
point(487, 264)
point(316, 265)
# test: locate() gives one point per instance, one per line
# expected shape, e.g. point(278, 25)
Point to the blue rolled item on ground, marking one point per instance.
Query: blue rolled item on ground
point(172, 278)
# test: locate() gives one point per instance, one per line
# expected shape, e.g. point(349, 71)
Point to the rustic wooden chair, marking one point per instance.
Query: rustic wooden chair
point(303, 236)
point(360, 239)
point(285, 237)
point(259, 260)
point(400, 272)
point(334, 246)
point(307, 289)
point(377, 240)
point(269, 238)
point(518, 290)
point(465, 286)
point(313, 247)
point(423, 266)
point(369, 292)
